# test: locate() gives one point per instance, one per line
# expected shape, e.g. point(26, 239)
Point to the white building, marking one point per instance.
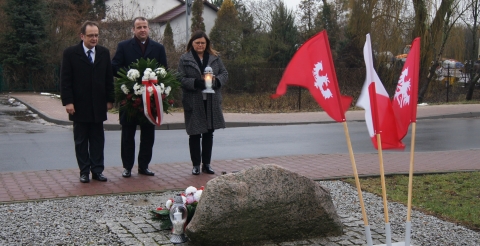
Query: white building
point(159, 12)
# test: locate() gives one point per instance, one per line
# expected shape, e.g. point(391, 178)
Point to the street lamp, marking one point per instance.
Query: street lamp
point(188, 6)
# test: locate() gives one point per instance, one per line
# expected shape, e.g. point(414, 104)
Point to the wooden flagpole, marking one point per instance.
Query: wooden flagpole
point(410, 187)
point(368, 235)
point(384, 191)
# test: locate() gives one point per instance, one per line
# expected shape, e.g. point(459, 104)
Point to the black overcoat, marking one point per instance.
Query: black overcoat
point(88, 86)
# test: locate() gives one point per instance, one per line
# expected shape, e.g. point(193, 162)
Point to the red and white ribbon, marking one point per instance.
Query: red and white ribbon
point(157, 96)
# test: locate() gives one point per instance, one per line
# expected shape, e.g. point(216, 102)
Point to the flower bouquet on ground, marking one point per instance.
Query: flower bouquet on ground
point(190, 197)
point(146, 91)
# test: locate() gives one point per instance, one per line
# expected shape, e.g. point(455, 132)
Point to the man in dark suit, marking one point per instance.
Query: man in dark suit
point(87, 93)
point(129, 51)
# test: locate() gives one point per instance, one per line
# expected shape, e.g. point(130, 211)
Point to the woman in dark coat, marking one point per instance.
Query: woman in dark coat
point(203, 111)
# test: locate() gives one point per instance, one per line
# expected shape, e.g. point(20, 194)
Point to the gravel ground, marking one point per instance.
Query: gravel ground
point(84, 220)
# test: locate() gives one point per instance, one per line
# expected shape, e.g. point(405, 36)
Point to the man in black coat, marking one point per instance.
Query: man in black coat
point(87, 93)
point(129, 51)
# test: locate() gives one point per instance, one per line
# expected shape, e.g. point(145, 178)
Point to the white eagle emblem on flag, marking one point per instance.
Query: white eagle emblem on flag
point(321, 81)
point(403, 87)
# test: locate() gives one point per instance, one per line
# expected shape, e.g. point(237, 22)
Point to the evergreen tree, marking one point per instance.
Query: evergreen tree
point(219, 3)
point(197, 19)
point(253, 40)
point(168, 38)
point(99, 9)
point(23, 41)
point(283, 35)
point(308, 14)
point(226, 34)
point(326, 20)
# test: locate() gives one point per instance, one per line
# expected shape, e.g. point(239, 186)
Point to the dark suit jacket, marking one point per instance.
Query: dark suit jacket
point(129, 51)
point(88, 86)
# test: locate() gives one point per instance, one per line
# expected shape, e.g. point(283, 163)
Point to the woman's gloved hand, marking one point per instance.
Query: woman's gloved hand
point(216, 85)
point(199, 84)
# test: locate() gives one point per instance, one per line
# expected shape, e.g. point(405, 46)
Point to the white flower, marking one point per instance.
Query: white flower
point(153, 76)
point(190, 190)
point(133, 74)
point(161, 71)
point(167, 90)
point(138, 89)
point(150, 89)
point(158, 88)
point(197, 195)
point(169, 204)
point(161, 87)
point(124, 89)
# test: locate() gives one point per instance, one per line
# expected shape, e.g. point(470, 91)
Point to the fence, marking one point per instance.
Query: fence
point(46, 80)
point(249, 88)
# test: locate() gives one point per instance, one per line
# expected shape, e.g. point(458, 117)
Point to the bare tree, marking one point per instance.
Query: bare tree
point(434, 37)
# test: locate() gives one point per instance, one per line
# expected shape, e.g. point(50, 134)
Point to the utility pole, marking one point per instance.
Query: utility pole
point(188, 5)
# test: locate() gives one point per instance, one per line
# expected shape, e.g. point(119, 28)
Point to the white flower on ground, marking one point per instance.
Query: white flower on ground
point(124, 89)
point(167, 90)
point(190, 190)
point(133, 74)
point(184, 199)
point(197, 195)
point(169, 203)
point(190, 199)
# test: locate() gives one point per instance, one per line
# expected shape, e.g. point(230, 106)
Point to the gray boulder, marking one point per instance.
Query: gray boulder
point(265, 203)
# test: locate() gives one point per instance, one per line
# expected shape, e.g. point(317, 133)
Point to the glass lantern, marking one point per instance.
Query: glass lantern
point(178, 216)
point(209, 79)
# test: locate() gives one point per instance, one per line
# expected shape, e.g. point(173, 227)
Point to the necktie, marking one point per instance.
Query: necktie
point(89, 52)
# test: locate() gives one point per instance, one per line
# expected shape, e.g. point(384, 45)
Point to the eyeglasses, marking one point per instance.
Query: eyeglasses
point(200, 43)
point(92, 35)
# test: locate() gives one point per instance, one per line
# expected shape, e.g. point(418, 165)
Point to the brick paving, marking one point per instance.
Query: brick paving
point(47, 184)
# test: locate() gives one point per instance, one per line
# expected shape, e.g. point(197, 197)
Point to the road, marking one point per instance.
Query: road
point(28, 143)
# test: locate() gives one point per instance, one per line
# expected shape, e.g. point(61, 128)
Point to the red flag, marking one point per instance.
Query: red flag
point(374, 99)
point(404, 102)
point(312, 67)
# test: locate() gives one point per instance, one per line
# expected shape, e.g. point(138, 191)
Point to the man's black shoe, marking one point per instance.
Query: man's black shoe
point(99, 177)
point(196, 170)
point(207, 169)
point(127, 173)
point(146, 172)
point(84, 178)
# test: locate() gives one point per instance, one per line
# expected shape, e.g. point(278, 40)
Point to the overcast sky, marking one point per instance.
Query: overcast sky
point(291, 4)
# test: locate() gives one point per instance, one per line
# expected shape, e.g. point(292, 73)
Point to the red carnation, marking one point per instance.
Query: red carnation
point(164, 96)
point(129, 96)
point(171, 101)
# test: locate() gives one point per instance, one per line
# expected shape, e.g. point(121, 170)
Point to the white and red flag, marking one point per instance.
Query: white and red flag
point(374, 99)
point(312, 67)
point(404, 103)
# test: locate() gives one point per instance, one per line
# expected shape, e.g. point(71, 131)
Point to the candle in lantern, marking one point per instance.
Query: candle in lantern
point(177, 216)
point(208, 80)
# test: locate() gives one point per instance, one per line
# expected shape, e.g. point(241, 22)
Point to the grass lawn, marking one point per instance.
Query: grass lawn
point(453, 197)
